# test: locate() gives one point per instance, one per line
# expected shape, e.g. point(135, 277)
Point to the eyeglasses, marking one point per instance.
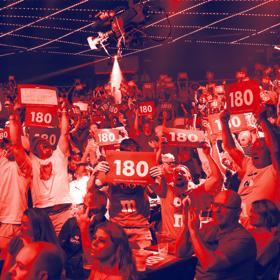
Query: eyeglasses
point(218, 206)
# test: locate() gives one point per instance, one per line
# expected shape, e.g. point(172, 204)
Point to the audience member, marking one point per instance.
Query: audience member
point(224, 248)
point(38, 261)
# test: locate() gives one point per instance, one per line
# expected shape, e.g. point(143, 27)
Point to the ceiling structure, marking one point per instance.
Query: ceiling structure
point(59, 29)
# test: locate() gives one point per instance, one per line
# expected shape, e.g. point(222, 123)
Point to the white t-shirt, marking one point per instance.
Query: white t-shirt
point(53, 188)
point(13, 192)
point(257, 184)
point(78, 189)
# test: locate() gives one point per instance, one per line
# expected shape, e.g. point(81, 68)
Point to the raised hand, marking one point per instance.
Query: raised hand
point(102, 166)
point(224, 116)
point(193, 219)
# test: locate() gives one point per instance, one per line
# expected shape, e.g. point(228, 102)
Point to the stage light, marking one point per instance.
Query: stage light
point(115, 80)
point(277, 47)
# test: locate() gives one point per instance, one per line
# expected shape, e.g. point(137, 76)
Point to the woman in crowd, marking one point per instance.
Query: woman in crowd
point(264, 218)
point(111, 255)
point(35, 226)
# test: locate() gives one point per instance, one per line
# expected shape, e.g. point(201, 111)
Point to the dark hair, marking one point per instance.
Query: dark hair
point(123, 254)
point(42, 227)
point(129, 142)
point(268, 211)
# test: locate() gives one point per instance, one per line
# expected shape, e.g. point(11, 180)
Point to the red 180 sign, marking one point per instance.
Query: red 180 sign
point(41, 116)
point(243, 97)
point(147, 108)
point(107, 136)
point(4, 134)
point(130, 167)
point(184, 137)
point(50, 134)
point(237, 123)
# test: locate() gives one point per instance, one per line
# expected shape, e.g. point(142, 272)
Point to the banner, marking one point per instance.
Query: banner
point(4, 133)
point(51, 134)
point(237, 123)
point(83, 106)
point(107, 136)
point(37, 95)
point(130, 167)
point(147, 108)
point(42, 116)
point(183, 137)
point(243, 97)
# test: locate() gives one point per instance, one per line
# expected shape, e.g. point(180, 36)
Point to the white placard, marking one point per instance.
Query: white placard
point(38, 96)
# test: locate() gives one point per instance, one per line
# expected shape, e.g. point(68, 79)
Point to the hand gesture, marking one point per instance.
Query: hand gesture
point(83, 219)
point(224, 116)
point(193, 219)
point(102, 166)
point(156, 173)
point(206, 148)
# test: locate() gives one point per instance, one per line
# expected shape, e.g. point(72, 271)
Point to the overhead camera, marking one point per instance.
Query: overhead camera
point(118, 25)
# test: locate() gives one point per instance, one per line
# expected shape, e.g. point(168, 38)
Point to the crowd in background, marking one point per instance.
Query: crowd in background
point(57, 206)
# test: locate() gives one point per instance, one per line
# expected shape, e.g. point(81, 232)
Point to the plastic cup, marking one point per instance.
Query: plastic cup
point(140, 257)
point(163, 238)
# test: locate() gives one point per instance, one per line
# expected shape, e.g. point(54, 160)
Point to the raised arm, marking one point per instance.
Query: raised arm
point(63, 142)
point(271, 141)
point(216, 155)
point(214, 182)
point(21, 157)
point(228, 141)
point(160, 185)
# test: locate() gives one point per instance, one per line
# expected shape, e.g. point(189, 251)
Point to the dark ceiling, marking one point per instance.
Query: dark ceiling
point(40, 40)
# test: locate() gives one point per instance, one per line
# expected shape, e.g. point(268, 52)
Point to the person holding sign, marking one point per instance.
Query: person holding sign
point(15, 174)
point(180, 189)
point(50, 185)
point(261, 171)
point(128, 201)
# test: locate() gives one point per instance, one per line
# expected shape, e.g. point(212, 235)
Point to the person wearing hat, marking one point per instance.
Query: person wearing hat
point(223, 247)
point(50, 185)
point(15, 174)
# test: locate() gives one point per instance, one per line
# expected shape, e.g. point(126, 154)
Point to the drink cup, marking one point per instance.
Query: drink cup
point(163, 238)
point(140, 257)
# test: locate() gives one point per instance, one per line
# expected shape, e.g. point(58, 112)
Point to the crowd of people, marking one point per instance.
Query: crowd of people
point(215, 192)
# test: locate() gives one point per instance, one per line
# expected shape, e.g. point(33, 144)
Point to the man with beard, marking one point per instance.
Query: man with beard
point(15, 174)
point(224, 248)
point(180, 189)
